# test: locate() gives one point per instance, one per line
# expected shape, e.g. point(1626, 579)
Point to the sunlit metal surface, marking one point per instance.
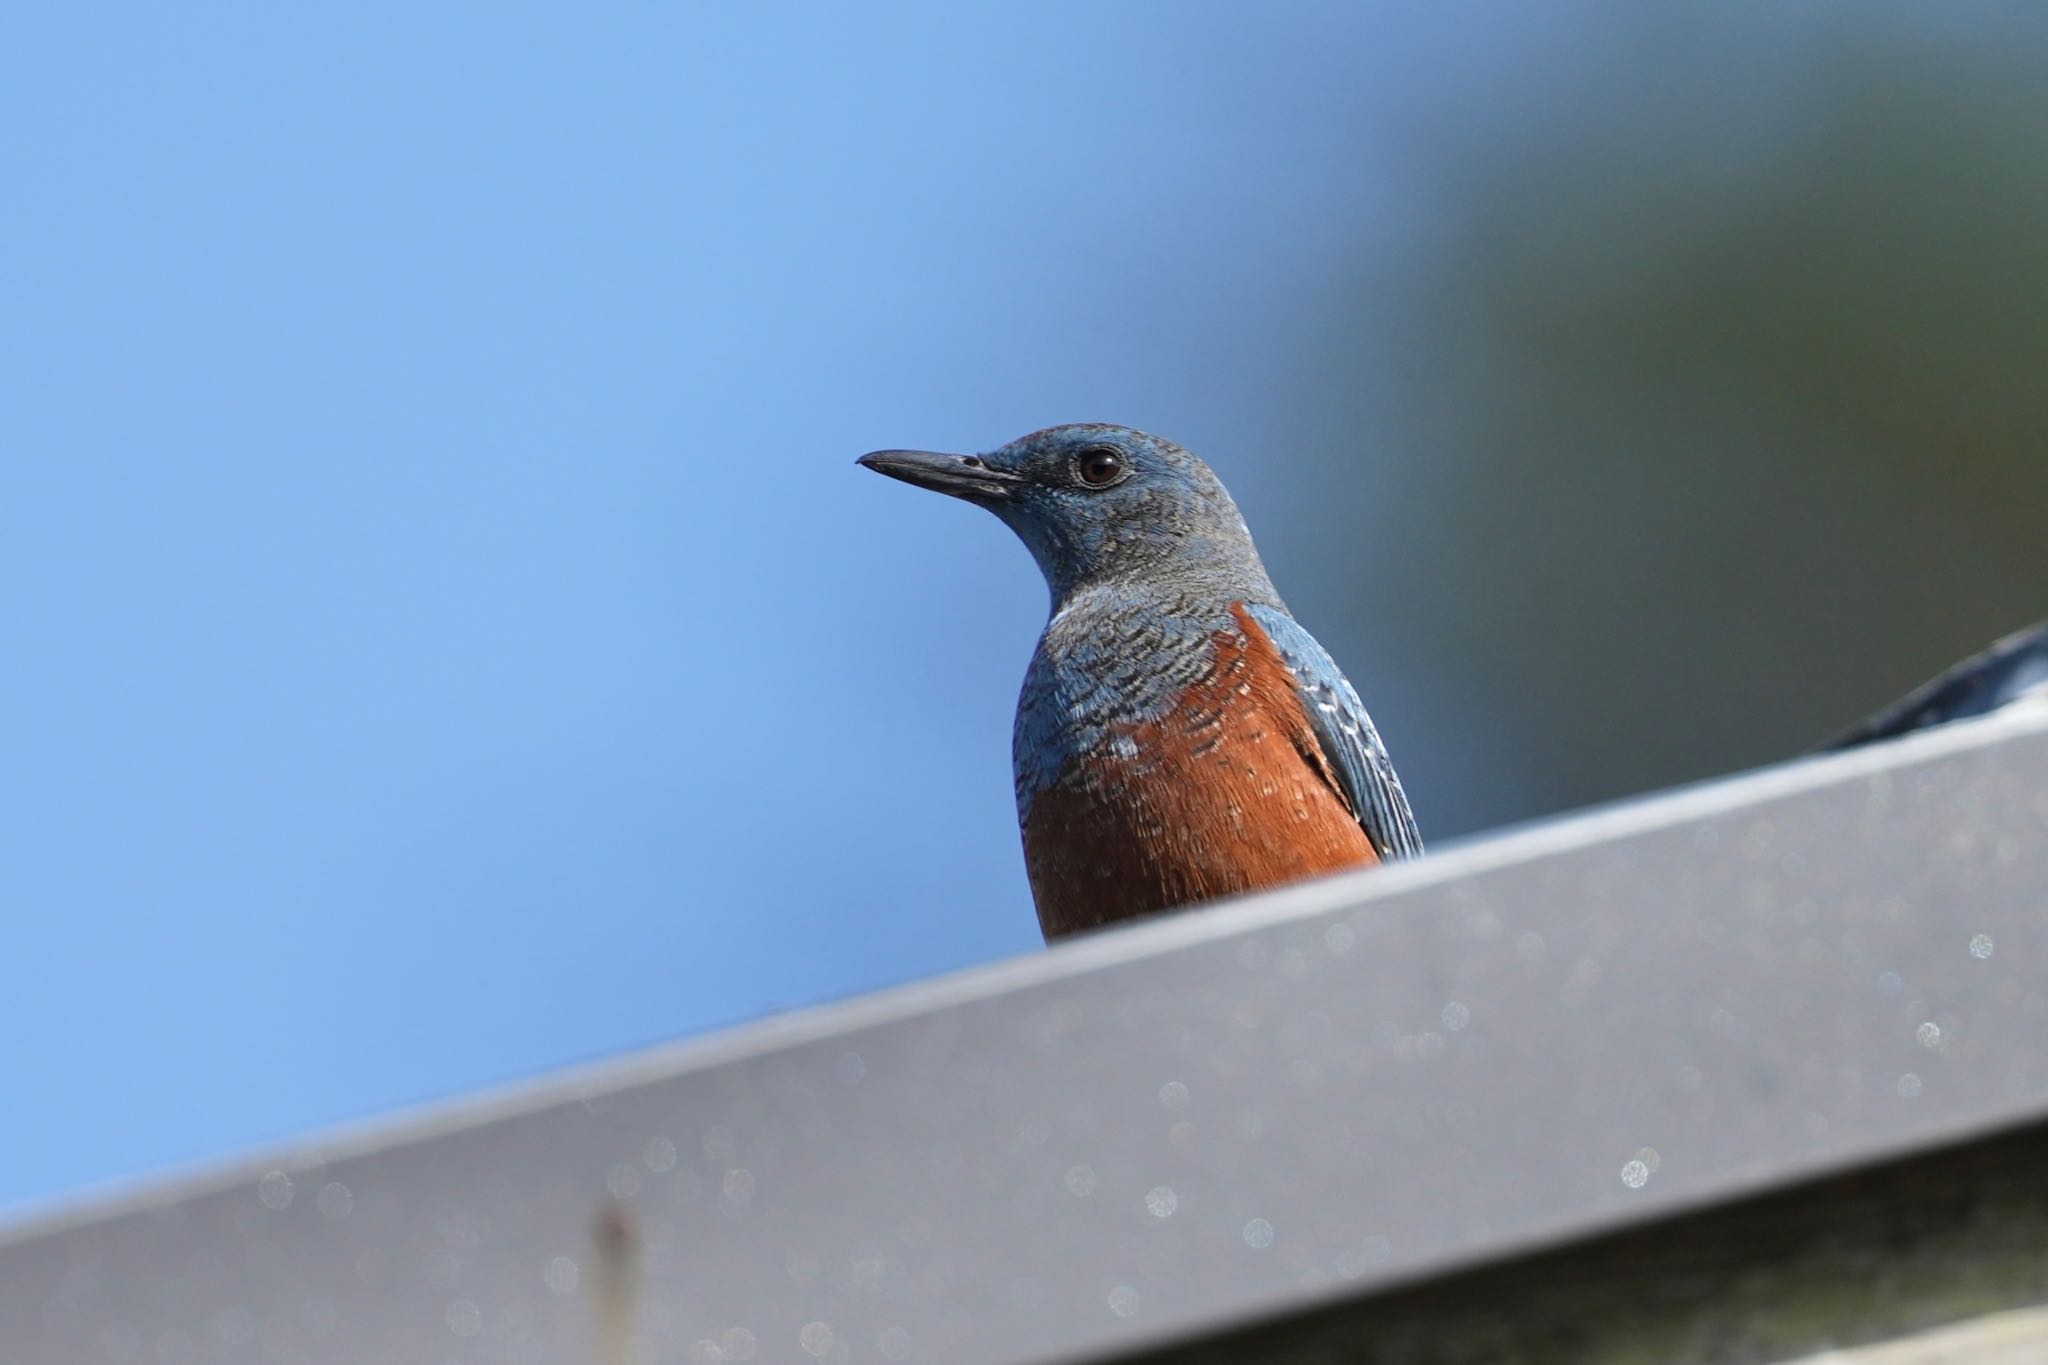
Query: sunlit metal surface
point(1159, 1132)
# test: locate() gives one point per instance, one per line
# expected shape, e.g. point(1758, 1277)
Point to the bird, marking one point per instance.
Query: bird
point(2011, 669)
point(1179, 736)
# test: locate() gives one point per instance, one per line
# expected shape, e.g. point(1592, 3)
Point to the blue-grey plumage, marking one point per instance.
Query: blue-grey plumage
point(2013, 668)
point(1179, 734)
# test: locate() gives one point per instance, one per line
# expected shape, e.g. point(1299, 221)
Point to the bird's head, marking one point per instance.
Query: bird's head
point(1099, 504)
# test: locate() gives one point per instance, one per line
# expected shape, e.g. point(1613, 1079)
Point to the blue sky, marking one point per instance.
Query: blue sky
point(447, 635)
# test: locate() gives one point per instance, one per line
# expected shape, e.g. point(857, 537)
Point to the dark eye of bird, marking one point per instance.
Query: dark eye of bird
point(1100, 466)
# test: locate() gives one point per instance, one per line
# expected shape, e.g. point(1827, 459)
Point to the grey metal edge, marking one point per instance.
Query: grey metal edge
point(1171, 1128)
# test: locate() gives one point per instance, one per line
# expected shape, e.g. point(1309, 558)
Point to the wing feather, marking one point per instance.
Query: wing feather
point(1365, 774)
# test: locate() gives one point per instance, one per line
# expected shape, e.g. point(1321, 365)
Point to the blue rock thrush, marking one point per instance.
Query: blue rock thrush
point(1179, 736)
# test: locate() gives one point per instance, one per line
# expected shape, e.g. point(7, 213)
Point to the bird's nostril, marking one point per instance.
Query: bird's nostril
point(971, 461)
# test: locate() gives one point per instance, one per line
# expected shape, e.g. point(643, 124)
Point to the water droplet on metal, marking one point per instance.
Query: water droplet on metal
point(335, 1201)
point(275, 1190)
point(561, 1275)
point(464, 1318)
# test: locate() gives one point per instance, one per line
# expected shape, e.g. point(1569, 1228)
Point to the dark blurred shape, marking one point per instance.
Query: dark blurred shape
point(616, 1238)
point(1719, 398)
point(2010, 669)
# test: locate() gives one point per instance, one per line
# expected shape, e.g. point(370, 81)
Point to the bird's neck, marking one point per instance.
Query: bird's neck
point(1188, 582)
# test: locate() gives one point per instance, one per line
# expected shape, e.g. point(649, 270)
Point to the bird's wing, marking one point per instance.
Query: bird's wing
point(1365, 775)
point(2010, 669)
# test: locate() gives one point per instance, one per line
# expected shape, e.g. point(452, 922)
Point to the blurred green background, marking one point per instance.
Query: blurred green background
point(1719, 396)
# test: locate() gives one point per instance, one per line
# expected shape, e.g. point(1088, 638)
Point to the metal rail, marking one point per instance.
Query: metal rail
point(1286, 1105)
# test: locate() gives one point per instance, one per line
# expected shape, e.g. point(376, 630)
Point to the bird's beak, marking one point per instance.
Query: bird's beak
point(962, 476)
